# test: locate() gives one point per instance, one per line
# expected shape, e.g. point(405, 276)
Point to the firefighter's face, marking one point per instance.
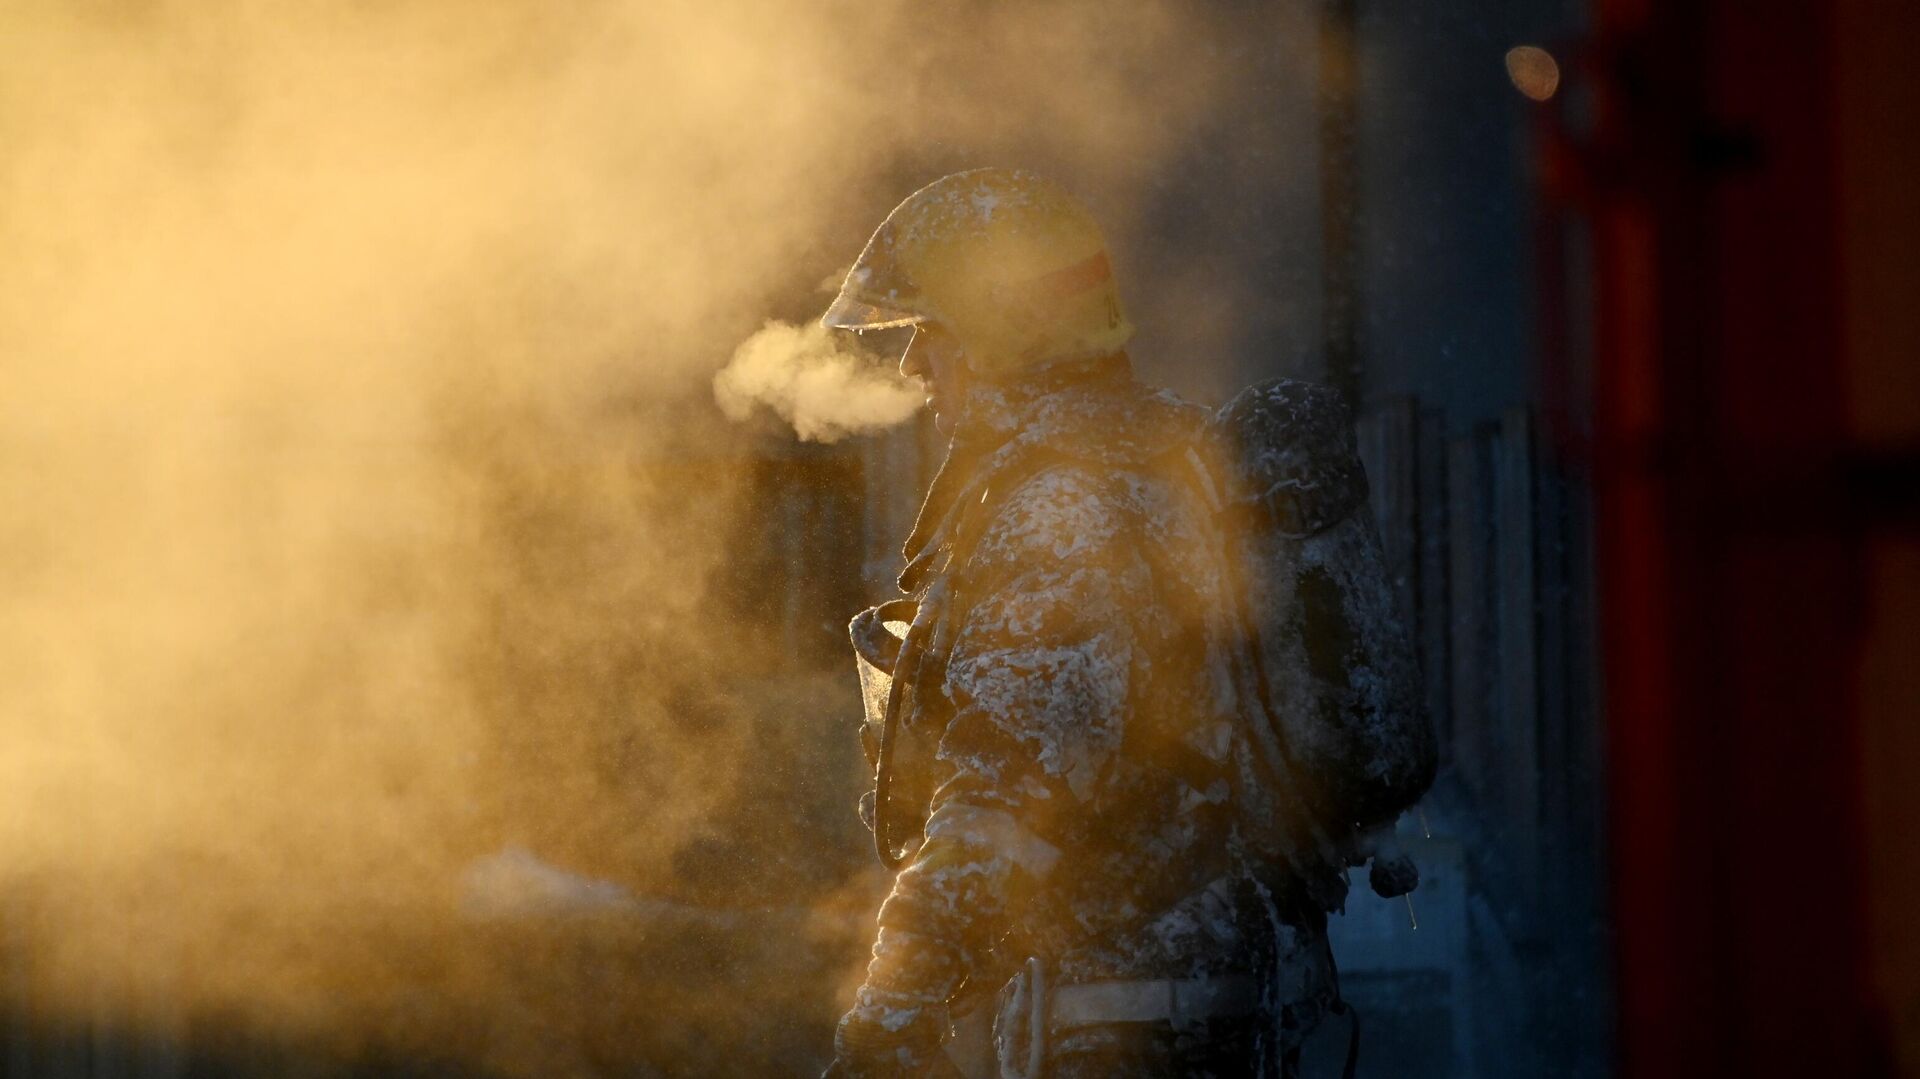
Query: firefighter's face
point(936, 357)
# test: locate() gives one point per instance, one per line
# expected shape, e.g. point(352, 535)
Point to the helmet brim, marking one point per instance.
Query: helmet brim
point(849, 313)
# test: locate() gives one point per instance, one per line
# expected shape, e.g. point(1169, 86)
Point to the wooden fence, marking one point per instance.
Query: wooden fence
point(1487, 537)
point(124, 1027)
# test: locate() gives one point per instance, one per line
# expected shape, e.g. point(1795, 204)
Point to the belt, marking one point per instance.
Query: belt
point(1182, 1002)
point(1033, 1010)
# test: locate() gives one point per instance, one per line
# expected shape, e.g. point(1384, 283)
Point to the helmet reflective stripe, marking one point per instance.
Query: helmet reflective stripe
point(1078, 278)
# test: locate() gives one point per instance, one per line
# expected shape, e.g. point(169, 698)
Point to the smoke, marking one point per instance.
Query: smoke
point(367, 512)
point(812, 379)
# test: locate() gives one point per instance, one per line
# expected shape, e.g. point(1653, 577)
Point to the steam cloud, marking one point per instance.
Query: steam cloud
point(814, 380)
point(364, 509)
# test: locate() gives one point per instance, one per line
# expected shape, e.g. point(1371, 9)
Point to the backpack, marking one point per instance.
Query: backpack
point(1335, 743)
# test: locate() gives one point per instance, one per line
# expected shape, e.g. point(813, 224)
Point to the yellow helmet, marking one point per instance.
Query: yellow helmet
point(1009, 262)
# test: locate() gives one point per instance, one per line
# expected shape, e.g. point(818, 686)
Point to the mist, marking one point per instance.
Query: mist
point(816, 380)
point(362, 473)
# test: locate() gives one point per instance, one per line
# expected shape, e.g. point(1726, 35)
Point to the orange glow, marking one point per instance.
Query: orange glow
point(1534, 72)
point(362, 476)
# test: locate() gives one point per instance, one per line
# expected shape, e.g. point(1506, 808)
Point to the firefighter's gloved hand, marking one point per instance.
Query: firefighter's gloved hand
point(864, 1046)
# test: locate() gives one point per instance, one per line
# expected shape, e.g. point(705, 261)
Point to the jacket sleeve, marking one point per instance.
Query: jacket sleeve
point(1039, 678)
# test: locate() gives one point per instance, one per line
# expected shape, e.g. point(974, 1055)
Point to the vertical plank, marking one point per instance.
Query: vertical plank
point(890, 472)
point(908, 483)
point(16, 951)
point(1366, 437)
point(55, 1045)
point(795, 498)
point(874, 520)
point(1432, 628)
point(1336, 99)
point(1470, 644)
point(1396, 500)
point(160, 1016)
point(112, 1012)
point(106, 1031)
point(158, 1020)
point(1555, 771)
point(1519, 692)
point(65, 1039)
point(1586, 782)
point(75, 1000)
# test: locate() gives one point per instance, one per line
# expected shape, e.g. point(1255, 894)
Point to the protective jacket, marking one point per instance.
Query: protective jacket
point(1066, 716)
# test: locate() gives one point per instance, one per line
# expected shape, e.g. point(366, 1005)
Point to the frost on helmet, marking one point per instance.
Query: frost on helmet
point(1008, 261)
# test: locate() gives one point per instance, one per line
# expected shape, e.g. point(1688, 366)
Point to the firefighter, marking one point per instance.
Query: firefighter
point(1052, 783)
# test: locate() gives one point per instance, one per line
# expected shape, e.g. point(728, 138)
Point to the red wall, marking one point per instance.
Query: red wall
point(1879, 178)
point(1744, 380)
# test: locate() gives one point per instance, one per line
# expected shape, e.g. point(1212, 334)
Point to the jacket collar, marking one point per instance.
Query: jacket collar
point(1091, 411)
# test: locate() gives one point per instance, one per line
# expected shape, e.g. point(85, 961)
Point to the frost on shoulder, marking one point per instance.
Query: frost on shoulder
point(1063, 514)
point(1043, 659)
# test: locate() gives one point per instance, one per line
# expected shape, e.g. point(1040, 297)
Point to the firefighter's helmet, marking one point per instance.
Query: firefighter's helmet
point(1009, 262)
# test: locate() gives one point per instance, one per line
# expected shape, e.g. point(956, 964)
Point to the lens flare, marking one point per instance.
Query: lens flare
point(1534, 72)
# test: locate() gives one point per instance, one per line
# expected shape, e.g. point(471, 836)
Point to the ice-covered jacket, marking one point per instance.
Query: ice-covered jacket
point(1067, 717)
